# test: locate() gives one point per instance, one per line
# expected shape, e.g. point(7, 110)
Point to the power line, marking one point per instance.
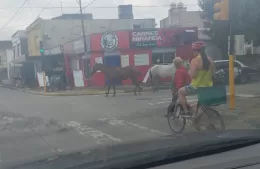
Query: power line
point(58, 7)
point(43, 9)
point(8, 22)
point(87, 5)
point(102, 7)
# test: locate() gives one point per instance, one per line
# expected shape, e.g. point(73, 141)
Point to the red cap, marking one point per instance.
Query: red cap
point(197, 45)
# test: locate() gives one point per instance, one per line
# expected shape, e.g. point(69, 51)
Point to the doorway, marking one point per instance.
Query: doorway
point(113, 60)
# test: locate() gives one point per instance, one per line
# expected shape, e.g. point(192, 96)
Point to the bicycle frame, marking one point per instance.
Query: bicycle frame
point(195, 114)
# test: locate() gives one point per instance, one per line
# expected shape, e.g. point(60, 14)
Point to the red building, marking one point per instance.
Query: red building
point(141, 48)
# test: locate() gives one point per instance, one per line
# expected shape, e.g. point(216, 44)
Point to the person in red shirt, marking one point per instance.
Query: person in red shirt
point(181, 77)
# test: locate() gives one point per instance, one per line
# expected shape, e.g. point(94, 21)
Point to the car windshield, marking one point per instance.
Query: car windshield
point(80, 75)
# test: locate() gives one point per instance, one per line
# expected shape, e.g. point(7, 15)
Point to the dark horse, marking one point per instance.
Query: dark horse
point(118, 73)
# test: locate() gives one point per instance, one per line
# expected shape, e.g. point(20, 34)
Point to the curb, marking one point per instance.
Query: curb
point(101, 92)
point(90, 92)
point(246, 95)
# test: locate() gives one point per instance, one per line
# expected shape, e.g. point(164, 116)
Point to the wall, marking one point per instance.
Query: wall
point(164, 23)
point(34, 37)
point(3, 58)
point(9, 58)
point(183, 18)
point(61, 31)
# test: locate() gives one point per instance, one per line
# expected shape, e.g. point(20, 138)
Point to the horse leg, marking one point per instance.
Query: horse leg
point(134, 81)
point(152, 84)
point(139, 88)
point(135, 89)
point(114, 88)
point(157, 83)
point(108, 89)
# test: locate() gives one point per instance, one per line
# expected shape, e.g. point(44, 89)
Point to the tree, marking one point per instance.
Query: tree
point(217, 30)
point(246, 19)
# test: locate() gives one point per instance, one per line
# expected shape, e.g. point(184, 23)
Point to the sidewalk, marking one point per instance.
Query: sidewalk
point(245, 115)
point(78, 91)
point(245, 90)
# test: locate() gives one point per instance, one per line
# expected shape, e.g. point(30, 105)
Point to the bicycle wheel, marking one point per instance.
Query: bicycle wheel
point(209, 119)
point(175, 115)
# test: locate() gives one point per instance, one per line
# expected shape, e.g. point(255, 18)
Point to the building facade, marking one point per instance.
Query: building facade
point(47, 37)
point(179, 16)
point(53, 33)
point(20, 51)
point(5, 56)
point(141, 48)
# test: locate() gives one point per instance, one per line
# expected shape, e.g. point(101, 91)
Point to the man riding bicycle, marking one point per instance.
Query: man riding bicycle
point(202, 69)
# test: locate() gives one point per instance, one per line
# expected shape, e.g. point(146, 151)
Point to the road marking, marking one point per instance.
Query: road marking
point(151, 104)
point(163, 102)
point(146, 128)
point(96, 134)
point(115, 122)
point(166, 99)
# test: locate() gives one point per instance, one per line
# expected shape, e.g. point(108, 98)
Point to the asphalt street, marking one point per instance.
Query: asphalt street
point(32, 126)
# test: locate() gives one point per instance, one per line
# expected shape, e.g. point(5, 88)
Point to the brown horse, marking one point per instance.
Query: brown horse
point(118, 73)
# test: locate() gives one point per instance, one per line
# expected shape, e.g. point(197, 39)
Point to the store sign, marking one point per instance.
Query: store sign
point(145, 38)
point(162, 38)
point(109, 41)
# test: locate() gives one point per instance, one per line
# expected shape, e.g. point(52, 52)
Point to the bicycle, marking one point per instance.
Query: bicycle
point(203, 108)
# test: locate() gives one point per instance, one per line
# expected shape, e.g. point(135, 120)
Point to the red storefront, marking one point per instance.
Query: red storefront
point(141, 48)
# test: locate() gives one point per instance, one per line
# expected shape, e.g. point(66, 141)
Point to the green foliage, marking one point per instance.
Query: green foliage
point(245, 19)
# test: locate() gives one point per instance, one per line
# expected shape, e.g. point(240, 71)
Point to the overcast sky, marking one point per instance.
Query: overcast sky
point(32, 8)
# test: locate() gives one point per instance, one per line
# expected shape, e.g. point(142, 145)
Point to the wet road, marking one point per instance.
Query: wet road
point(33, 126)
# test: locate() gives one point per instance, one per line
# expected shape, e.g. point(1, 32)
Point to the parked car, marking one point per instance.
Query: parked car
point(242, 72)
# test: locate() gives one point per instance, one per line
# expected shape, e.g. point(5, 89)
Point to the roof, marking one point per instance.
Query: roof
point(19, 31)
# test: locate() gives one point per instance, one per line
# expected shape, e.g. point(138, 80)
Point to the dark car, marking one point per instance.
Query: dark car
point(242, 72)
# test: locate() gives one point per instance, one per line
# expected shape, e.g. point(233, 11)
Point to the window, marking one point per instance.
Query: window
point(137, 26)
point(157, 58)
point(141, 59)
point(162, 58)
point(168, 58)
point(18, 50)
point(222, 65)
point(14, 48)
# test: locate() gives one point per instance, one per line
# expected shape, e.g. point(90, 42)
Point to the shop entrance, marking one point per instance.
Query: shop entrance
point(113, 60)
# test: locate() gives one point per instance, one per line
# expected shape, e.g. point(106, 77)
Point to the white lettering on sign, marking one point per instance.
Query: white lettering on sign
point(145, 36)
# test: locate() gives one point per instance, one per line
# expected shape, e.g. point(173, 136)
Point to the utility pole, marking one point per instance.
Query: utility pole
point(82, 26)
point(231, 58)
point(224, 13)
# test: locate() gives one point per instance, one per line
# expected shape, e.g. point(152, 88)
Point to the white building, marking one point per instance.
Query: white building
point(179, 16)
point(5, 56)
point(19, 52)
